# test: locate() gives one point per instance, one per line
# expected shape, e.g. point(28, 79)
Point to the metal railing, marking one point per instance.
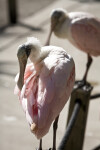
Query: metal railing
point(78, 110)
point(12, 10)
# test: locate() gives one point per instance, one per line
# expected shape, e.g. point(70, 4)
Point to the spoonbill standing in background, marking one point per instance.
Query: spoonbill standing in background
point(80, 28)
point(44, 85)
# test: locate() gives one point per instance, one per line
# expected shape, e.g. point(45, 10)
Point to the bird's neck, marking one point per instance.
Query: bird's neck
point(38, 64)
point(62, 28)
point(35, 57)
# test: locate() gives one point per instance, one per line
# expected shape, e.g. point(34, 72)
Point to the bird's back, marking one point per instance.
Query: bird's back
point(85, 32)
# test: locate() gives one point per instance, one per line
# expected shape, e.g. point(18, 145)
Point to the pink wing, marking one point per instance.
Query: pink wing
point(86, 34)
point(55, 86)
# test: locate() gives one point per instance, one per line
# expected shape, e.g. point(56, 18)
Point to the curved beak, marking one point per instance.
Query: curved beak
point(22, 58)
point(53, 25)
point(49, 37)
point(22, 66)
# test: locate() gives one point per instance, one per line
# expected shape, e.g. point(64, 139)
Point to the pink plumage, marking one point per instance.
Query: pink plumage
point(48, 83)
point(85, 32)
point(81, 29)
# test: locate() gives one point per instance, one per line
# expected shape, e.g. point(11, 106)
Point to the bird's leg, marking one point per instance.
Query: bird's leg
point(40, 145)
point(55, 126)
point(84, 82)
point(87, 68)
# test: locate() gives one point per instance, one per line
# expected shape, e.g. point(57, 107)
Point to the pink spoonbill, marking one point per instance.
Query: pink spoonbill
point(80, 28)
point(43, 86)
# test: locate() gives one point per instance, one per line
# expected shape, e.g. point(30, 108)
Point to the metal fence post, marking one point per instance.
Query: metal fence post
point(12, 10)
point(76, 138)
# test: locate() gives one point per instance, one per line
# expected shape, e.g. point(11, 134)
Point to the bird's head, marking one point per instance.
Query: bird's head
point(31, 49)
point(57, 17)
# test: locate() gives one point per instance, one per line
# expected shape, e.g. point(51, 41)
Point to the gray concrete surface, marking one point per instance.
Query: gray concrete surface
point(25, 8)
point(14, 130)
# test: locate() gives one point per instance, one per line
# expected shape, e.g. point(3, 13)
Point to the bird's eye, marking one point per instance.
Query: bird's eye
point(57, 14)
point(21, 50)
point(28, 50)
point(22, 46)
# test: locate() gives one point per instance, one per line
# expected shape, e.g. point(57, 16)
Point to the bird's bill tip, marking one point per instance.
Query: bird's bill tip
point(33, 128)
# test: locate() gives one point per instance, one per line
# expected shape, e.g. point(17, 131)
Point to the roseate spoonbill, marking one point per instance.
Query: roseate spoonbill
point(44, 85)
point(81, 29)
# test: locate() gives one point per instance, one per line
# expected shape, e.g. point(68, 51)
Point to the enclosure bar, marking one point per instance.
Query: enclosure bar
point(70, 125)
point(76, 138)
point(95, 96)
point(12, 11)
